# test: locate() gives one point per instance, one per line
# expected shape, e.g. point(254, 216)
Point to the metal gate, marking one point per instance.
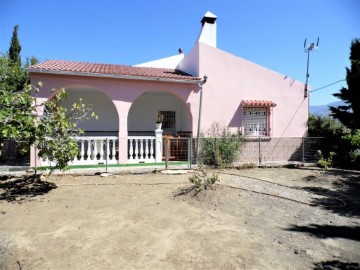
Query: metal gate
point(177, 152)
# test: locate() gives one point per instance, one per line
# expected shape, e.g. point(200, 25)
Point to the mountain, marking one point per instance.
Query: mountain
point(323, 110)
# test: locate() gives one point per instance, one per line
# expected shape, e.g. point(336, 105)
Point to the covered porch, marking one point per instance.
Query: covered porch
point(101, 142)
point(127, 100)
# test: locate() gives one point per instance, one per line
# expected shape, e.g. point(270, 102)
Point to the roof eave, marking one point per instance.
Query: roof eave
point(115, 76)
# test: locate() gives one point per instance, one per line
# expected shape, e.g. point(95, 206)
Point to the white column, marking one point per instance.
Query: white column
point(131, 150)
point(158, 145)
point(88, 150)
point(141, 141)
point(113, 150)
point(151, 148)
point(101, 148)
point(82, 152)
point(136, 149)
point(146, 149)
point(107, 156)
point(95, 150)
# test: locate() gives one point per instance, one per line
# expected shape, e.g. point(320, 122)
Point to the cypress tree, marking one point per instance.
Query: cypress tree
point(349, 114)
point(15, 47)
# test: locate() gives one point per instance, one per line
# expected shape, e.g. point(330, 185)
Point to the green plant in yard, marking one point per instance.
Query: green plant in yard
point(324, 162)
point(219, 146)
point(333, 135)
point(47, 126)
point(354, 140)
point(201, 178)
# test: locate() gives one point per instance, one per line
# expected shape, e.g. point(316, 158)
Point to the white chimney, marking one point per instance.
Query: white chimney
point(208, 30)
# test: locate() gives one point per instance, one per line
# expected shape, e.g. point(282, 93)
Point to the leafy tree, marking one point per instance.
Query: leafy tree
point(326, 126)
point(31, 61)
point(15, 47)
point(47, 126)
point(349, 114)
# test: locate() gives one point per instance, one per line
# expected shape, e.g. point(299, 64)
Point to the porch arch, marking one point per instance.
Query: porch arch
point(143, 112)
point(103, 106)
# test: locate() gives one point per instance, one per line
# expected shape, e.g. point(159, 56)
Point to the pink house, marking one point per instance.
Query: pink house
point(127, 99)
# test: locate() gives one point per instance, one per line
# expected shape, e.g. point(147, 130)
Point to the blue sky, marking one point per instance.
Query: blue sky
point(268, 32)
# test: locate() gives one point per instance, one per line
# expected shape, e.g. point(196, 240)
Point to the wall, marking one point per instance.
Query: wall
point(232, 79)
point(143, 112)
point(108, 119)
point(190, 63)
point(123, 93)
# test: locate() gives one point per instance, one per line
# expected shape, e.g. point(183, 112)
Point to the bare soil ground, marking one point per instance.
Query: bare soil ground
point(253, 219)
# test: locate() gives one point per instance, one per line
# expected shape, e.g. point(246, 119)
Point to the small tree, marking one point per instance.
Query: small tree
point(219, 147)
point(31, 61)
point(15, 47)
point(56, 129)
point(51, 132)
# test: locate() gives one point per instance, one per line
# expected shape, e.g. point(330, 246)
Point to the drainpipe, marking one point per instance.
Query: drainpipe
point(200, 84)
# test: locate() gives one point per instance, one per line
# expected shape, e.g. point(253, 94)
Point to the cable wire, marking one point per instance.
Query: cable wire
point(327, 85)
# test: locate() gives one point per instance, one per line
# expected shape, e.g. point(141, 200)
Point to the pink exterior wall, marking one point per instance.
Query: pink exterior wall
point(232, 79)
point(123, 93)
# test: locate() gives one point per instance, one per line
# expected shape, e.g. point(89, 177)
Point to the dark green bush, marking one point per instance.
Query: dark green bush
point(219, 146)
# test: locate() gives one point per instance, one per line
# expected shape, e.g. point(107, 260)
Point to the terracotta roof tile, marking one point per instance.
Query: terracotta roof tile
point(109, 69)
point(265, 103)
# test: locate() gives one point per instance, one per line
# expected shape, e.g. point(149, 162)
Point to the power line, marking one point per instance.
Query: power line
point(348, 77)
point(328, 85)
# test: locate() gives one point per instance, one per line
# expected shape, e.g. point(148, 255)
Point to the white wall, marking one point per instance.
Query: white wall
point(143, 112)
point(102, 106)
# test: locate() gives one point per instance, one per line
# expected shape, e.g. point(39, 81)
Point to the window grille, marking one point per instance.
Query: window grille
point(168, 125)
point(255, 121)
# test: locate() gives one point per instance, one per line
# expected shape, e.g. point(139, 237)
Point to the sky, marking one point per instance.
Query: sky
point(270, 33)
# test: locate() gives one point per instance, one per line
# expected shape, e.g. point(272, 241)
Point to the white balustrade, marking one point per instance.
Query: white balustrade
point(102, 150)
point(93, 150)
point(141, 149)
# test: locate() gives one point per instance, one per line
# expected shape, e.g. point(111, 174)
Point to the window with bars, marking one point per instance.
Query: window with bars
point(255, 121)
point(168, 125)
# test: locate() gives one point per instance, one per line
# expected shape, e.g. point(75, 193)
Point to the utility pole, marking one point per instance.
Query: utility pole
point(308, 49)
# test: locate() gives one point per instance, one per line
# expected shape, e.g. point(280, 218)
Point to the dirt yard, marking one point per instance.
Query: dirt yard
point(253, 219)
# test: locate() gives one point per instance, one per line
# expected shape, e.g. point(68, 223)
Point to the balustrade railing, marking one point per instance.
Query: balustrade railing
point(104, 150)
point(94, 150)
point(141, 149)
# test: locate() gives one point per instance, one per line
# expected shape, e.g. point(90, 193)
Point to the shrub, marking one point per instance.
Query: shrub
point(219, 146)
point(354, 140)
point(325, 162)
point(201, 178)
point(333, 134)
